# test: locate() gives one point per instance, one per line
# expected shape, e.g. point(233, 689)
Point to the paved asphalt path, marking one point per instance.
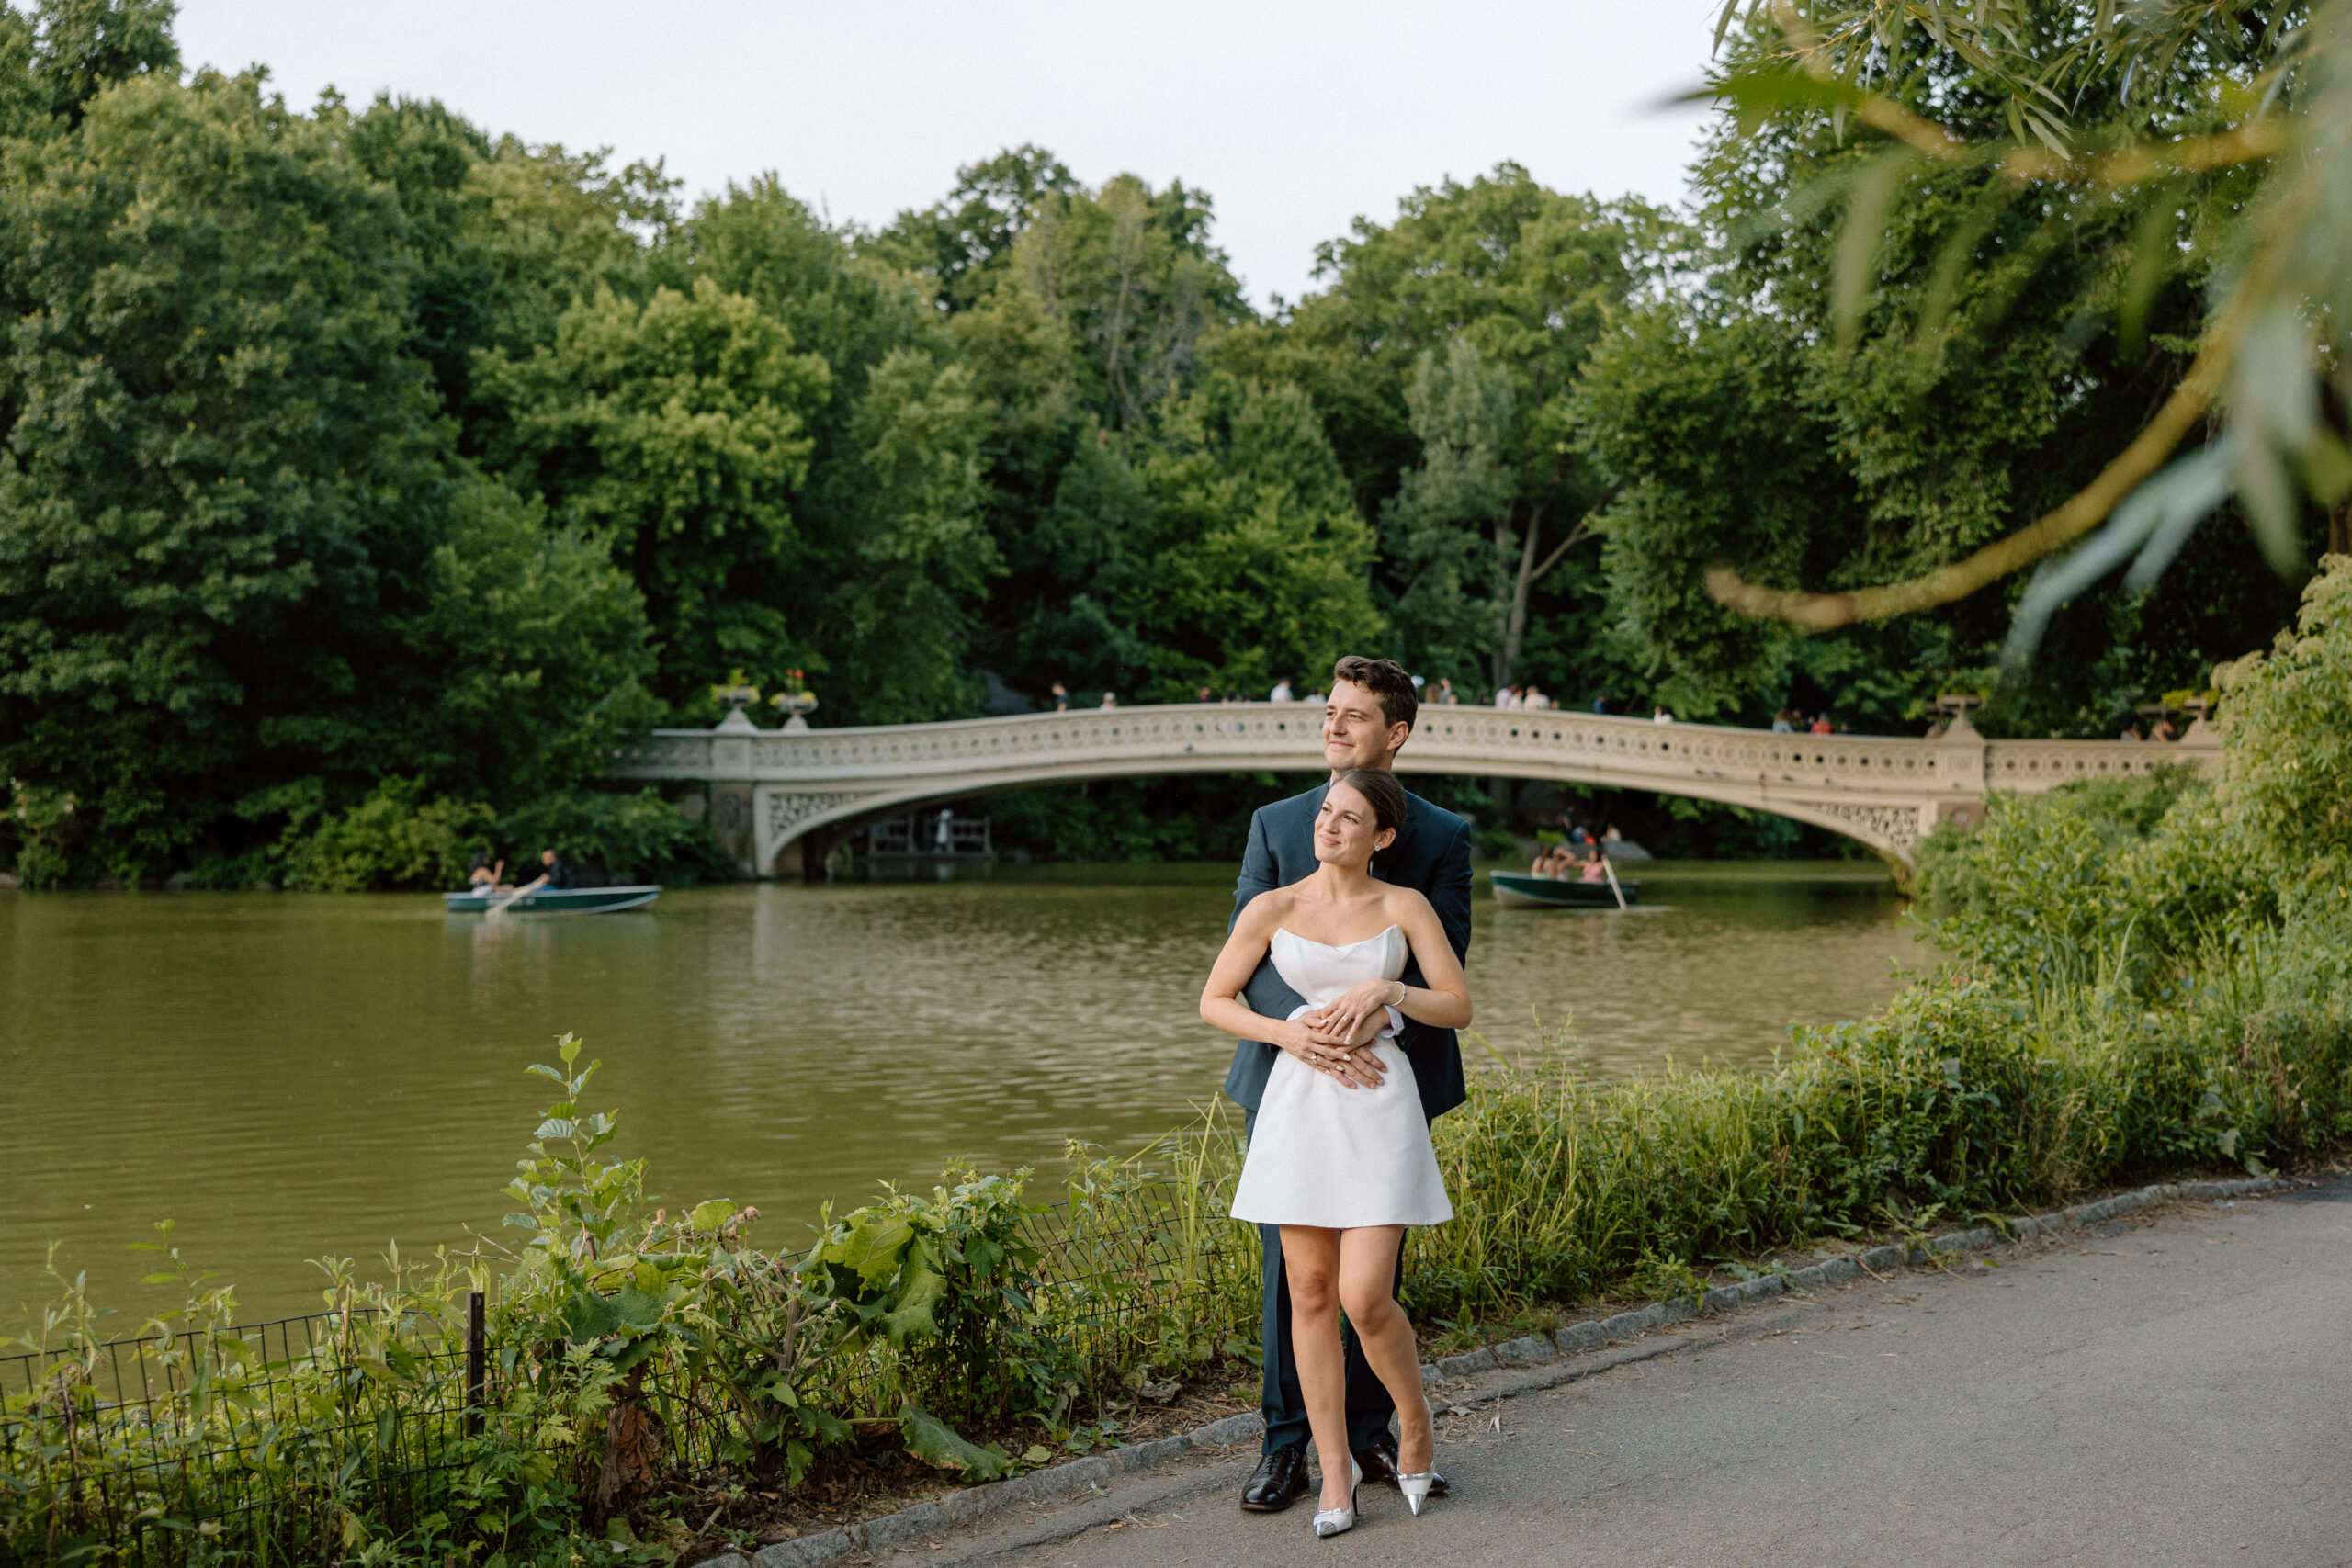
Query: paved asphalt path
point(2169, 1388)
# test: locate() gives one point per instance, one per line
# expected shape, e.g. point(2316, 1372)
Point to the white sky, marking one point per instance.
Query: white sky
point(1296, 116)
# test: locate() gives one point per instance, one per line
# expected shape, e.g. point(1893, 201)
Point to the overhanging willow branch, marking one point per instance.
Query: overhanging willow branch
point(2089, 506)
point(2086, 510)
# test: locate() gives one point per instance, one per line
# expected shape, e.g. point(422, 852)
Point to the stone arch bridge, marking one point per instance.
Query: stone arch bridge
point(773, 792)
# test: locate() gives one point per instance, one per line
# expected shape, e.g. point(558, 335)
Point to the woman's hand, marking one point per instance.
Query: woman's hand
point(1365, 1004)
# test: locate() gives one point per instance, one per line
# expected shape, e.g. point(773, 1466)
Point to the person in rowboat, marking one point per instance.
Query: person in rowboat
point(1596, 868)
point(485, 875)
point(555, 873)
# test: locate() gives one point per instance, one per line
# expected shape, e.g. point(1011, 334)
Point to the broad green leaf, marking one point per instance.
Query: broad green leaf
point(930, 1439)
point(588, 1316)
point(709, 1215)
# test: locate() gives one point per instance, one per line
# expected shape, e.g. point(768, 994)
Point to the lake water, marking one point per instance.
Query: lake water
point(290, 1074)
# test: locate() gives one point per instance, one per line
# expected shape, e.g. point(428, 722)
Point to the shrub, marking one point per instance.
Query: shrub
point(2287, 725)
point(2048, 888)
point(42, 823)
point(394, 839)
point(631, 837)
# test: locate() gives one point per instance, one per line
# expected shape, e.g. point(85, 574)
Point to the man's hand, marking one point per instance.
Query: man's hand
point(1350, 1061)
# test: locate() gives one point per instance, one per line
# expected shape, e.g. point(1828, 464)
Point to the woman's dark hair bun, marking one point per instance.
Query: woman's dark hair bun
point(1380, 788)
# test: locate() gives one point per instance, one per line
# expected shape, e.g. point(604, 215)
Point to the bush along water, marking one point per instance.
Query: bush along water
point(619, 1350)
point(2142, 978)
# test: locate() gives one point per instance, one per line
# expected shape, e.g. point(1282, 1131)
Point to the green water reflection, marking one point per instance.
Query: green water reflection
point(292, 1075)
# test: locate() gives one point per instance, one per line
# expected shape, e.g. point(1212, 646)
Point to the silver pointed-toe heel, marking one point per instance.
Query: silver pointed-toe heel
point(1416, 1489)
point(1335, 1521)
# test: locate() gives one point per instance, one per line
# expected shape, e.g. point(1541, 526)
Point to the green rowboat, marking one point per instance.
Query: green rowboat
point(553, 901)
point(1514, 888)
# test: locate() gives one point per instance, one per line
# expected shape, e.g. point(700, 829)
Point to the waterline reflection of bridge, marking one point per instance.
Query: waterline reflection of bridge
point(770, 790)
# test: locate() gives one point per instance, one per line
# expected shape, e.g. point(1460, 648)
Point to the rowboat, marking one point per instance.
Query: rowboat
point(553, 900)
point(1515, 887)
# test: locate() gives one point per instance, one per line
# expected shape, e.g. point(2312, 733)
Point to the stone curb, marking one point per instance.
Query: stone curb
point(926, 1521)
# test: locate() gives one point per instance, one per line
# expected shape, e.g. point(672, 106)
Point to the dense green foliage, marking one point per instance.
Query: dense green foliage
point(2005, 339)
point(359, 445)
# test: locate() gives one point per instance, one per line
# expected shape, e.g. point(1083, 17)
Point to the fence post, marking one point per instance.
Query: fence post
point(476, 1365)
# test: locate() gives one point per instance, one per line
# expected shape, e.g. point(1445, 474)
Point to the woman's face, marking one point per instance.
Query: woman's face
point(1346, 831)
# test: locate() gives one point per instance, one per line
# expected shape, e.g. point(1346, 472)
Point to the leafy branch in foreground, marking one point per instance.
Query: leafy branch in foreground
point(2278, 80)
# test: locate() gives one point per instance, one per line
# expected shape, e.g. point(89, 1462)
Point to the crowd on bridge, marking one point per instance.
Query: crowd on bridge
point(1511, 698)
point(1530, 697)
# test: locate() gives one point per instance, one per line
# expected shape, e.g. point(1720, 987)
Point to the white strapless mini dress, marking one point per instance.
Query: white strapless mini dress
point(1324, 1153)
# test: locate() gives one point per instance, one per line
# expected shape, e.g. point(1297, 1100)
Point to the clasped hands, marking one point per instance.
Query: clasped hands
point(1337, 1037)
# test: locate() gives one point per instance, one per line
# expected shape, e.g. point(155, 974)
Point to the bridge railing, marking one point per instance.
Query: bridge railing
point(1447, 739)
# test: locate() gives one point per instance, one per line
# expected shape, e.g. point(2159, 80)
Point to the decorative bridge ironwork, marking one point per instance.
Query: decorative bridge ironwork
point(769, 791)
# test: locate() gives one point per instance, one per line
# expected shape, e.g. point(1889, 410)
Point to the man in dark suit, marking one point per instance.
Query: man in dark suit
point(1367, 720)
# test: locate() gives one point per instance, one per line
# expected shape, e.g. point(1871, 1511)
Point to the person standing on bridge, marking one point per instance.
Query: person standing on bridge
point(1366, 721)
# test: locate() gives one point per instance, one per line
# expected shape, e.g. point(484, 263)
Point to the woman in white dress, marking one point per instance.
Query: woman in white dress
point(1344, 1169)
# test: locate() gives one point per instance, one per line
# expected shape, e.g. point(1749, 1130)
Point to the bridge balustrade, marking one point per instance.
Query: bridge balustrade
point(784, 785)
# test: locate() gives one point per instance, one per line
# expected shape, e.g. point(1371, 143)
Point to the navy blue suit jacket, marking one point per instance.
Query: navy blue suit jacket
point(1431, 852)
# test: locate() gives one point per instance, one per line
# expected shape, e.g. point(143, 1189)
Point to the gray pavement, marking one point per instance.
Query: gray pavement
point(2173, 1388)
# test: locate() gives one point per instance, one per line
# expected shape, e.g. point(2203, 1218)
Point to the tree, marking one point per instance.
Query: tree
point(1464, 325)
point(431, 158)
point(964, 243)
point(1129, 274)
point(896, 627)
point(1219, 548)
point(84, 45)
point(528, 666)
point(896, 552)
point(676, 434)
point(1771, 422)
point(558, 228)
point(1082, 316)
point(219, 465)
point(2193, 117)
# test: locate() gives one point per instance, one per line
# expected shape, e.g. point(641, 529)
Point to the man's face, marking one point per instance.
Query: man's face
point(546, 857)
point(1356, 734)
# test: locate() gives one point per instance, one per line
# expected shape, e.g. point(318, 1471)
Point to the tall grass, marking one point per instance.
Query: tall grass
point(1968, 1097)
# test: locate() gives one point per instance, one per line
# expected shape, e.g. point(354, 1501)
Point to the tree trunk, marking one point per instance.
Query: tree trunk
point(2339, 527)
point(632, 1450)
point(1523, 586)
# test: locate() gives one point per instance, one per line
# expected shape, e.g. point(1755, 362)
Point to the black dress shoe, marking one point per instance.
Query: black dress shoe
point(1379, 1464)
point(1279, 1480)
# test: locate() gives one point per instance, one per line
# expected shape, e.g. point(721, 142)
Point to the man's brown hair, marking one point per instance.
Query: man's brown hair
point(1384, 679)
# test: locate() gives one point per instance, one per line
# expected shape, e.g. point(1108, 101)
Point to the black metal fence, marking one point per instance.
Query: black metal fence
point(135, 1450)
point(139, 1451)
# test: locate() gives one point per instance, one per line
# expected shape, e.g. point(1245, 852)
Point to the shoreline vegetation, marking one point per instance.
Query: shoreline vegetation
point(2144, 977)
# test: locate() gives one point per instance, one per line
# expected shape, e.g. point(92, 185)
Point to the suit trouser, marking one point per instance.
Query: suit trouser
point(1370, 1409)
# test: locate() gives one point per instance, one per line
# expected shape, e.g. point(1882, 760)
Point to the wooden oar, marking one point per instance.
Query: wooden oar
point(1613, 879)
point(496, 909)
